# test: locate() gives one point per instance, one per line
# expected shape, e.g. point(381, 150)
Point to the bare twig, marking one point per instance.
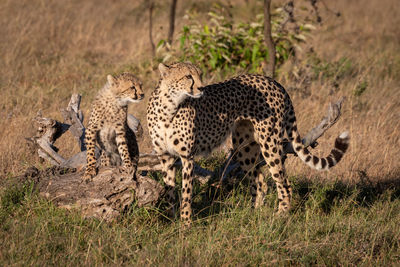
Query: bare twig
point(289, 17)
point(315, 7)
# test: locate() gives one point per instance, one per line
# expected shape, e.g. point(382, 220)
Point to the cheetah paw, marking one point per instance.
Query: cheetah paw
point(88, 175)
point(126, 170)
point(186, 224)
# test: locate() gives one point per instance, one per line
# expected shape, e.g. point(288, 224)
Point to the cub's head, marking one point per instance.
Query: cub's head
point(126, 88)
point(181, 80)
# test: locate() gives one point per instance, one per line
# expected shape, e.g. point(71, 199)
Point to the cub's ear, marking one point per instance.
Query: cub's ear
point(111, 80)
point(163, 69)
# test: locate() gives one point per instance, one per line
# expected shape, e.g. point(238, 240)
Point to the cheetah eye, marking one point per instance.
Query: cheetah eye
point(189, 76)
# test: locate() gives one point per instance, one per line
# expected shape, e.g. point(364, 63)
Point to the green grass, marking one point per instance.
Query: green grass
point(330, 224)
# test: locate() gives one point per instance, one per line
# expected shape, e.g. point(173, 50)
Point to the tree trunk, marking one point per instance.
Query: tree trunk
point(269, 67)
point(172, 21)
point(153, 47)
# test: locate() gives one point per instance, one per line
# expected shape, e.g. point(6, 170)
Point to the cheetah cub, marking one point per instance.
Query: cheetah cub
point(108, 125)
point(185, 119)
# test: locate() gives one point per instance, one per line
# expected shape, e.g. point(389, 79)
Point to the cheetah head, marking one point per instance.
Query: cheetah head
point(181, 81)
point(126, 88)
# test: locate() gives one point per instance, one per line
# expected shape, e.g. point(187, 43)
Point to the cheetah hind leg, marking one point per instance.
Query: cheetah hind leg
point(274, 162)
point(247, 152)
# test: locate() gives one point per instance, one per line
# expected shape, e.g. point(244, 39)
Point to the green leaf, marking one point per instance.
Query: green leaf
point(160, 43)
point(254, 53)
point(206, 29)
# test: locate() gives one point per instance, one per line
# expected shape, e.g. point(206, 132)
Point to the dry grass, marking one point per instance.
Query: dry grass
point(369, 37)
point(50, 49)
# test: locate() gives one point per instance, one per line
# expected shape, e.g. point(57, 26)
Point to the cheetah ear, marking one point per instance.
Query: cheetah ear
point(163, 69)
point(110, 79)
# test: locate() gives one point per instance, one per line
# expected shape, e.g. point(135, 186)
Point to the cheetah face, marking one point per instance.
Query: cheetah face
point(126, 88)
point(180, 81)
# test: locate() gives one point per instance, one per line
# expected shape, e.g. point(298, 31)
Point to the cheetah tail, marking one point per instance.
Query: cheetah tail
point(341, 145)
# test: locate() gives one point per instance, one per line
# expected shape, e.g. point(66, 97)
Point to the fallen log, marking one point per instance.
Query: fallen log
point(110, 193)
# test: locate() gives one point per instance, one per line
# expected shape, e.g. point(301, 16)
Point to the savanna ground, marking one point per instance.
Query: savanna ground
point(347, 216)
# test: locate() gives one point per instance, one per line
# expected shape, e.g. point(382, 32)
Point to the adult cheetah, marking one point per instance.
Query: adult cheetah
point(185, 119)
point(108, 124)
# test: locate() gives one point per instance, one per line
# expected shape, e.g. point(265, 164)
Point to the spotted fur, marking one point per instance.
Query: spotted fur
point(108, 125)
point(185, 119)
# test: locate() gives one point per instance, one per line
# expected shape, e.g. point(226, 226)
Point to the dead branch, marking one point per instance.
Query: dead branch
point(74, 117)
point(310, 139)
point(48, 132)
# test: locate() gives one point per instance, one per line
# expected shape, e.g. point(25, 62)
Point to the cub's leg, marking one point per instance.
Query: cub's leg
point(122, 145)
point(90, 140)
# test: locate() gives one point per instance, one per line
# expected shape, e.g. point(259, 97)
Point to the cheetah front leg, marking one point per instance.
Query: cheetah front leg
point(169, 170)
point(122, 146)
point(187, 188)
point(90, 138)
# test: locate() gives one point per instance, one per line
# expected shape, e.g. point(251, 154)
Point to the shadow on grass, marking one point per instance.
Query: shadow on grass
point(363, 193)
point(214, 197)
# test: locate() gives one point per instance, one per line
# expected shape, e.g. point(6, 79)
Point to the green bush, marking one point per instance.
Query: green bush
point(222, 44)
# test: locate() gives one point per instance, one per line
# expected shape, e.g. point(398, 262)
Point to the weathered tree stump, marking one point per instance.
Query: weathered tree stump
point(109, 194)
